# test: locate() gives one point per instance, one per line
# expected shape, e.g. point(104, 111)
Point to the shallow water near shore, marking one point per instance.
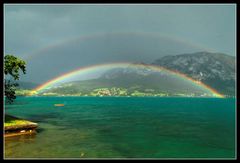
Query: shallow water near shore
point(124, 127)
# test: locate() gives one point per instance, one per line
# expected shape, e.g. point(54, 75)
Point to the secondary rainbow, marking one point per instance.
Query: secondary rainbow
point(93, 68)
point(94, 36)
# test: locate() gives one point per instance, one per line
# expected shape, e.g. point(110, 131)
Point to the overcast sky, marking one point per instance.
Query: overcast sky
point(150, 31)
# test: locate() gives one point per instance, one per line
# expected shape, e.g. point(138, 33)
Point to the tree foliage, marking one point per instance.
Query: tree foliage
point(12, 68)
point(12, 65)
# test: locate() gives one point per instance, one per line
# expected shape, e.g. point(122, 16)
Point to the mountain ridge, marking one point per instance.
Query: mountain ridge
point(214, 69)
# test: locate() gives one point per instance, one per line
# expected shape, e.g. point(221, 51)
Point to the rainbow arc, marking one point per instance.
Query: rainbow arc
point(93, 68)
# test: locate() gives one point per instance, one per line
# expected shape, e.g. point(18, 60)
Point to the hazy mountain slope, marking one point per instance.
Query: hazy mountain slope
point(214, 69)
point(26, 85)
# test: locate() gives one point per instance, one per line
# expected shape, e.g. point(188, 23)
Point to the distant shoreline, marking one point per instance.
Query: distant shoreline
point(138, 96)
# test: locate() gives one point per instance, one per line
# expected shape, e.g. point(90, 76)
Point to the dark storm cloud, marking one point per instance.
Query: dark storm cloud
point(29, 28)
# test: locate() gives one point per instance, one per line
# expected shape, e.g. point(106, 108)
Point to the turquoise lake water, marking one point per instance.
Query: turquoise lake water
point(121, 127)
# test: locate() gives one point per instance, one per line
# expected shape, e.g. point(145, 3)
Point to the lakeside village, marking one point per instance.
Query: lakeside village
point(116, 92)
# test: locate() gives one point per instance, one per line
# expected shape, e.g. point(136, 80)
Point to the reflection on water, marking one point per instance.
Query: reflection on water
point(25, 138)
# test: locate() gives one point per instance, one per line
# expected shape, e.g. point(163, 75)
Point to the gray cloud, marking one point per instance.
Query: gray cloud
point(29, 28)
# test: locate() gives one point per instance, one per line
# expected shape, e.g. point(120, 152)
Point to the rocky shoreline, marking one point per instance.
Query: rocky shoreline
point(19, 129)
